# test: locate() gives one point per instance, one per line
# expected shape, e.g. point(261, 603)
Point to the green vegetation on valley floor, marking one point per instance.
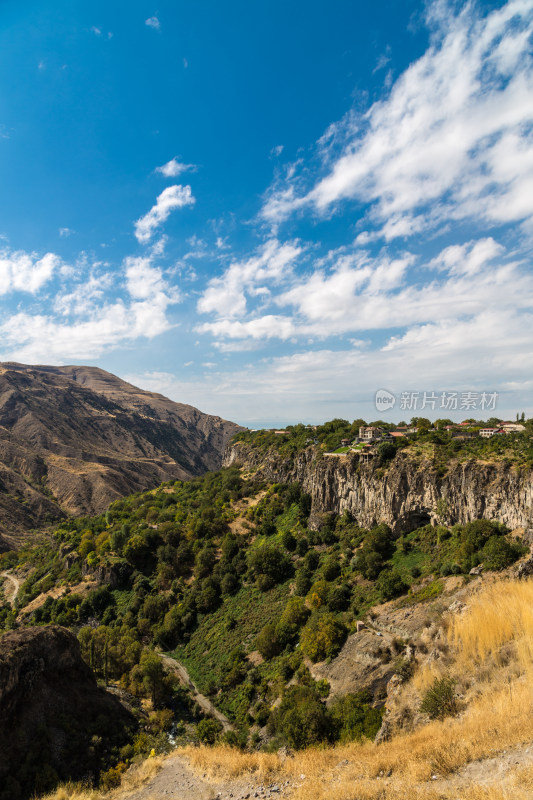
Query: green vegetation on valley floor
point(225, 573)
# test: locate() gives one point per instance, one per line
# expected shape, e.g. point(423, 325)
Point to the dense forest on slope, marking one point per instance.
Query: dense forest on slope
point(224, 572)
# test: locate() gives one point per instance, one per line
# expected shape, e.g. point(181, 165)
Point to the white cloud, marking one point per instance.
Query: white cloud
point(488, 352)
point(83, 298)
point(65, 232)
point(170, 198)
point(363, 293)
point(267, 327)
point(468, 259)
point(153, 22)
point(24, 272)
point(144, 280)
point(89, 316)
point(41, 338)
point(99, 32)
point(173, 168)
point(452, 140)
point(226, 296)
point(382, 61)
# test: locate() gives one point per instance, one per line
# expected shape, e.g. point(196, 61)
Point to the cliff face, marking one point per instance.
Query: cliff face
point(73, 439)
point(55, 723)
point(405, 494)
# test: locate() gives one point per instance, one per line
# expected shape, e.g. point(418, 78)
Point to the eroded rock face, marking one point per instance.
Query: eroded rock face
point(405, 495)
point(55, 722)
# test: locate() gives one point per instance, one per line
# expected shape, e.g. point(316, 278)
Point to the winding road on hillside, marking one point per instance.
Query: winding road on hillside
point(10, 593)
point(204, 703)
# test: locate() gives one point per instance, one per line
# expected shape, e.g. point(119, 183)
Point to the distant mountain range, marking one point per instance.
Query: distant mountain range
point(73, 439)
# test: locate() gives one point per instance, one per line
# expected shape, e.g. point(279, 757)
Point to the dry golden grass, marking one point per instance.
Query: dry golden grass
point(228, 762)
point(132, 780)
point(500, 614)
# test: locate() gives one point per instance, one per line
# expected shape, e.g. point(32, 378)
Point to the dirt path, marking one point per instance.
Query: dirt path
point(11, 593)
point(487, 772)
point(204, 703)
point(175, 780)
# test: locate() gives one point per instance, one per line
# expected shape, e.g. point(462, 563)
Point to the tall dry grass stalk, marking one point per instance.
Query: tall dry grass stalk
point(229, 762)
point(500, 614)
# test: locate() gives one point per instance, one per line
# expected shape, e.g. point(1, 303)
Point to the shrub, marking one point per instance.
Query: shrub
point(339, 598)
point(208, 730)
point(440, 699)
point(302, 546)
point(386, 452)
point(311, 560)
point(353, 717)
point(331, 568)
point(302, 718)
point(289, 541)
point(318, 594)
point(391, 584)
point(498, 553)
point(229, 583)
point(303, 581)
point(267, 642)
point(294, 616)
point(269, 561)
point(322, 637)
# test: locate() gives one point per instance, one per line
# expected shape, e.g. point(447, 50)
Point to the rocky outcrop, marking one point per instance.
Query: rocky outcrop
point(73, 439)
point(405, 494)
point(55, 723)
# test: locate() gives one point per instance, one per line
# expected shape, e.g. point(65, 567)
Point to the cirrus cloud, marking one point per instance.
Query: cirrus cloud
point(452, 141)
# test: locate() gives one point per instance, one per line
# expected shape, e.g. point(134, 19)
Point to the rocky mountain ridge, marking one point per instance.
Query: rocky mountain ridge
point(406, 494)
point(73, 439)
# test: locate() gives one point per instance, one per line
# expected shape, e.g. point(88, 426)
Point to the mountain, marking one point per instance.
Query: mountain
point(73, 439)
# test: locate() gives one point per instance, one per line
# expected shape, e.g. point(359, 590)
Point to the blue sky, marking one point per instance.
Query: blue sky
point(272, 210)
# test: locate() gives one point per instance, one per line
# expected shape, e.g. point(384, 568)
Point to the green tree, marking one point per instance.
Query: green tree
point(208, 730)
point(269, 562)
point(302, 718)
point(391, 584)
point(153, 675)
point(354, 717)
point(267, 641)
point(322, 636)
